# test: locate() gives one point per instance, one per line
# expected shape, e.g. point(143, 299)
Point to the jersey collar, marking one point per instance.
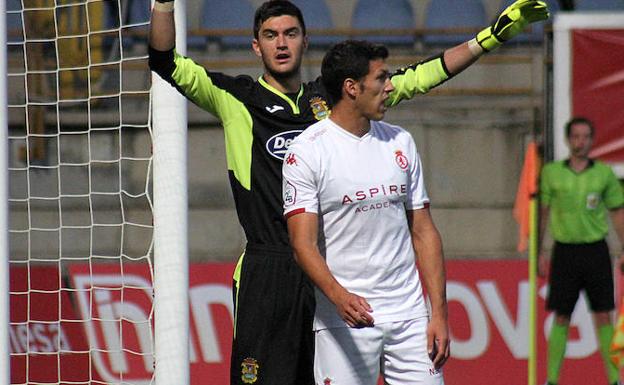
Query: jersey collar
point(294, 106)
point(341, 131)
point(590, 164)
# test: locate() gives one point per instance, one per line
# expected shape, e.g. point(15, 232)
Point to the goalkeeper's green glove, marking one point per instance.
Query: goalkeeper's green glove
point(511, 22)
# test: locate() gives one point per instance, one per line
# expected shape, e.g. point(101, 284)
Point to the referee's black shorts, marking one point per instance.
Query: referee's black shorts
point(576, 267)
point(274, 309)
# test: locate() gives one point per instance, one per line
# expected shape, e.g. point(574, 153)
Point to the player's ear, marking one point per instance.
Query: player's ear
point(306, 42)
point(350, 87)
point(256, 47)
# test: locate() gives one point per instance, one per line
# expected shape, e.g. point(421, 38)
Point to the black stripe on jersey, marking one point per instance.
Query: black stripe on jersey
point(413, 66)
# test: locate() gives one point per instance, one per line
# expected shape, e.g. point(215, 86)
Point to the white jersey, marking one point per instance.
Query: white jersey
point(360, 188)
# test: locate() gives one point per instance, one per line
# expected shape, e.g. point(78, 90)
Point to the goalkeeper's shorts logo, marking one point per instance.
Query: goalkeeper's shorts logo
point(249, 370)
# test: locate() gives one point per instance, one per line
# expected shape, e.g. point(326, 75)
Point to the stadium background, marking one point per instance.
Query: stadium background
point(471, 133)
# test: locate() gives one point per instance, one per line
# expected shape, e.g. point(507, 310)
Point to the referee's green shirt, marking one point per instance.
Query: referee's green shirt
point(578, 202)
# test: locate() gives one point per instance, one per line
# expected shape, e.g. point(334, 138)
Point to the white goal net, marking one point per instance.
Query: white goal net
point(81, 225)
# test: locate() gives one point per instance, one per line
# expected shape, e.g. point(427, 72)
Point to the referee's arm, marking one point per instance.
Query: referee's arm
point(617, 218)
point(543, 259)
point(428, 247)
point(303, 232)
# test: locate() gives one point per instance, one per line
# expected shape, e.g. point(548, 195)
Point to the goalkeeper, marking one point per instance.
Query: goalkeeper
point(274, 301)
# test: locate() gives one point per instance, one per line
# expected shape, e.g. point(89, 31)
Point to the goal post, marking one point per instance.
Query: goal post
point(4, 225)
point(171, 282)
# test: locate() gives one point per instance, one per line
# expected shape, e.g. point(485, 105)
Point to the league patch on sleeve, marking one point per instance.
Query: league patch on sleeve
point(290, 195)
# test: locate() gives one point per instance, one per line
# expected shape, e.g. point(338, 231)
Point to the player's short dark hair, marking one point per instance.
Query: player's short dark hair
point(579, 120)
point(274, 8)
point(348, 59)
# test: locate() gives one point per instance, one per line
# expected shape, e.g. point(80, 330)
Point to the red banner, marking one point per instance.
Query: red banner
point(488, 303)
point(488, 308)
point(116, 311)
point(46, 343)
point(597, 87)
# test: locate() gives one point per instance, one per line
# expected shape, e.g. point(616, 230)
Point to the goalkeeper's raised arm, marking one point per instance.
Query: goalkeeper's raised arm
point(162, 26)
point(511, 22)
point(430, 73)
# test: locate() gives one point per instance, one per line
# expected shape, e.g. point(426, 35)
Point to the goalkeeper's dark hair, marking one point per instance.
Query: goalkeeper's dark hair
point(348, 59)
point(274, 8)
point(579, 120)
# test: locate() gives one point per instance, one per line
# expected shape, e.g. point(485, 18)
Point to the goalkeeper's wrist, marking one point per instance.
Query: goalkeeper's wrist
point(475, 49)
point(163, 5)
point(487, 40)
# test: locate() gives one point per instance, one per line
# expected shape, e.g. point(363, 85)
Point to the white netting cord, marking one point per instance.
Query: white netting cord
point(81, 162)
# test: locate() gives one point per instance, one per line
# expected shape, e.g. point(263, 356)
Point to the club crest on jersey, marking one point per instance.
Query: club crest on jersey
point(319, 108)
point(401, 160)
point(327, 381)
point(249, 370)
point(593, 200)
point(278, 144)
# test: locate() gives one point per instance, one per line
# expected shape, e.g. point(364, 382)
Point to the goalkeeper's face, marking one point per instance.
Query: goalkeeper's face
point(281, 44)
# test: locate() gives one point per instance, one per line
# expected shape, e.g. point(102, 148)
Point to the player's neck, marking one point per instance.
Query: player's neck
point(579, 163)
point(286, 84)
point(348, 118)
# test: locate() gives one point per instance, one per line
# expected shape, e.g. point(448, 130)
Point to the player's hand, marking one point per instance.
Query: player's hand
point(354, 310)
point(542, 265)
point(438, 342)
point(512, 21)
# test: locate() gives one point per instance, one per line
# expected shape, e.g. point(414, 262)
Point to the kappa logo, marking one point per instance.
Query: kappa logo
point(249, 370)
point(291, 160)
point(274, 109)
point(278, 144)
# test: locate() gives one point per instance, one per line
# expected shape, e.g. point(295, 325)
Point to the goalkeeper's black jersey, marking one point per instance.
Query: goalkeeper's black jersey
point(260, 122)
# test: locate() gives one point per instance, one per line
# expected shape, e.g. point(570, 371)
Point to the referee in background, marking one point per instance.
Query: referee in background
point(576, 194)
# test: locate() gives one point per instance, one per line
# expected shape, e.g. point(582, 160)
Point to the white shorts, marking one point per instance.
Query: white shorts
point(350, 356)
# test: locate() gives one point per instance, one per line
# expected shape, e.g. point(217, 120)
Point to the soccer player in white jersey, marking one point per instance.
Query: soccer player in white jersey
point(358, 214)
